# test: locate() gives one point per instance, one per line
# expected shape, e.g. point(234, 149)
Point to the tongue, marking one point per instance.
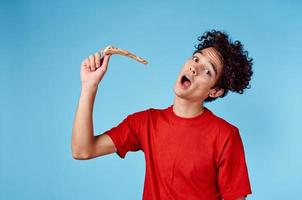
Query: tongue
point(187, 84)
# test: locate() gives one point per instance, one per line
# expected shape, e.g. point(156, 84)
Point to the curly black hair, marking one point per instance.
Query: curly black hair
point(237, 66)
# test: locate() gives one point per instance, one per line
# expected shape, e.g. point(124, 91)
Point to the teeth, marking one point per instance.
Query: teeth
point(188, 77)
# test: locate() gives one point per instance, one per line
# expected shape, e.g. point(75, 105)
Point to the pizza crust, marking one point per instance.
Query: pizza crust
point(109, 50)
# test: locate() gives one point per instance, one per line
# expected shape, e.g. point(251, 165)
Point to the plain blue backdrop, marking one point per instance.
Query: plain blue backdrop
point(43, 43)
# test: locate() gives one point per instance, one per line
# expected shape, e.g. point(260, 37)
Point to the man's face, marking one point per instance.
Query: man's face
point(198, 75)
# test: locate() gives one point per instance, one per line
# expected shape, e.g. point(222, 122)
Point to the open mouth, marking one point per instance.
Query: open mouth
point(185, 81)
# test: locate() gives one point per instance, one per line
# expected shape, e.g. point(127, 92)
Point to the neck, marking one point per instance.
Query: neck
point(187, 109)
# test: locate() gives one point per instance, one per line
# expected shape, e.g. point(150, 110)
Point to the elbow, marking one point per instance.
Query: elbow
point(80, 153)
point(80, 156)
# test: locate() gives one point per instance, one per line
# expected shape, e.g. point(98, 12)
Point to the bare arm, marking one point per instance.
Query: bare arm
point(84, 144)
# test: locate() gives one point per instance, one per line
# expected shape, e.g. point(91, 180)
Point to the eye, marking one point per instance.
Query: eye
point(195, 59)
point(207, 72)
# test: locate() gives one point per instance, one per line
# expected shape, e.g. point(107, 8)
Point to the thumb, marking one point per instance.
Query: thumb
point(104, 64)
point(106, 61)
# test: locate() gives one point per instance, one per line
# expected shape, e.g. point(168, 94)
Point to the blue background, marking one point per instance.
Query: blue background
point(42, 46)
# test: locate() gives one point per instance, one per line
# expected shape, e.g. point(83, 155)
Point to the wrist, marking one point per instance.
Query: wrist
point(89, 87)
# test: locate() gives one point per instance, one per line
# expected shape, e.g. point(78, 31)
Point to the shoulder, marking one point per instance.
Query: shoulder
point(145, 113)
point(228, 135)
point(139, 115)
point(148, 113)
point(226, 129)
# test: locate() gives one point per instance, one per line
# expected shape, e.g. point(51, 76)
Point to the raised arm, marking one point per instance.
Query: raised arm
point(84, 144)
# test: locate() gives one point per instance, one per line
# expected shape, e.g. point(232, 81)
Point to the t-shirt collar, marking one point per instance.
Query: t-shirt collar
point(197, 120)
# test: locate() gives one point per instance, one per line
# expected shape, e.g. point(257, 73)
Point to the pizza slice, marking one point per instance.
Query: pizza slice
point(114, 50)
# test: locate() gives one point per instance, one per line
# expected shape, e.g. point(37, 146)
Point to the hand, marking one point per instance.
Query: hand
point(93, 69)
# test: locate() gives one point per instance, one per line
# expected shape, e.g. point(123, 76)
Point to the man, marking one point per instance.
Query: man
point(190, 153)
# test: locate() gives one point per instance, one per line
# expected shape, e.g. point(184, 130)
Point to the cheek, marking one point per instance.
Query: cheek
point(204, 83)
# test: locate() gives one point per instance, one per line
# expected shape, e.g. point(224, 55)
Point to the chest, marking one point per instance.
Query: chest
point(182, 151)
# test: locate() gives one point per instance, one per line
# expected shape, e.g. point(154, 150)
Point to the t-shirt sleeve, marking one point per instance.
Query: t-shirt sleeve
point(125, 135)
point(232, 169)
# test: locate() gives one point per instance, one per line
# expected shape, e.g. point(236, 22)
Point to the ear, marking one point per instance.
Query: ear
point(214, 93)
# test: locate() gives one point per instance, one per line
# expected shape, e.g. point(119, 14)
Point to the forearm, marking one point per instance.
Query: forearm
point(82, 133)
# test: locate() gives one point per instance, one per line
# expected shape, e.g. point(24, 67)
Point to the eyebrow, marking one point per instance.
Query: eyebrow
point(212, 65)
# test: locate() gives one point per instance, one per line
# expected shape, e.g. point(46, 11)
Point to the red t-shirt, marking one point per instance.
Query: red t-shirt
point(199, 158)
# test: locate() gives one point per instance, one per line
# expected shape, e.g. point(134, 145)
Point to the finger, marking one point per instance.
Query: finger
point(83, 62)
point(92, 64)
point(104, 63)
point(97, 59)
point(106, 60)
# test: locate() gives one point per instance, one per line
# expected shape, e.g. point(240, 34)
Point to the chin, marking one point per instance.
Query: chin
point(181, 93)
point(187, 94)
point(177, 90)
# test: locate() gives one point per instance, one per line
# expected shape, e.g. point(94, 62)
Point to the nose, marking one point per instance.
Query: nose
point(193, 70)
